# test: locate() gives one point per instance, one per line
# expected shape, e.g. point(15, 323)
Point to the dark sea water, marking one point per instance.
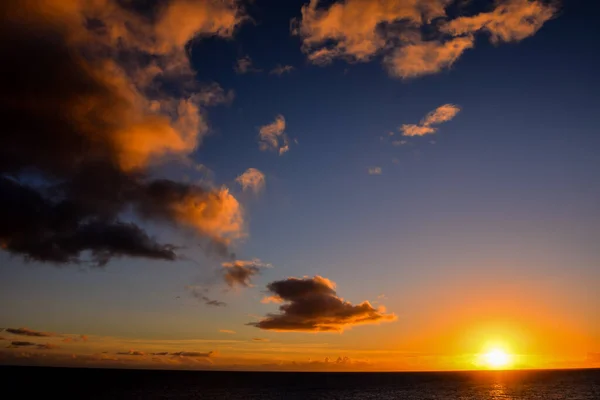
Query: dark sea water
point(31, 382)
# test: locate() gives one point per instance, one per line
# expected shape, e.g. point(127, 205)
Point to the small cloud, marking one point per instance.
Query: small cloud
point(374, 170)
point(273, 137)
point(312, 305)
point(440, 115)
point(226, 331)
point(132, 353)
point(200, 294)
point(252, 179)
point(18, 343)
point(240, 272)
point(395, 161)
point(27, 332)
point(194, 354)
point(245, 65)
point(399, 142)
point(281, 69)
point(161, 353)
point(257, 339)
point(47, 346)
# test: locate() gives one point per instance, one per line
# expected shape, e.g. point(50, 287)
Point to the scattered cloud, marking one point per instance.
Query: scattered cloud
point(281, 69)
point(252, 179)
point(312, 305)
point(440, 115)
point(399, 142)
point(27, 332)
point(240, 272)
point(374, 170)
point(257, 339)
point(358, 30)
point(200, 294)
point(245, 65)
point(194, 354)
point(131, 353)
point(91, 126)
point(39, 346)
point(273, 137)
point(226, 331)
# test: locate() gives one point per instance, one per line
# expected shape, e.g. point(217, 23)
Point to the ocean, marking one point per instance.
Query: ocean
point(66, 383)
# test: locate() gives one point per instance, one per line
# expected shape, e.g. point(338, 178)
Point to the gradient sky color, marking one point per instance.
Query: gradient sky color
point(484, 232)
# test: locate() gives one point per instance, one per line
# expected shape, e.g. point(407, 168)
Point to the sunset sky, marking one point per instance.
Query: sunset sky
point(300, 185)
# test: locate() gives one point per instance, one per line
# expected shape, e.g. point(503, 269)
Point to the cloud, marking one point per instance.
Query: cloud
point(426, 58)
point(281, 69)
point(27, 332)
point(39, 346)
point(200, 293)
point(256, 339)
point(273, 137)
point(240, 272)
point(358, 30)
point(226, 331)
point(510, 21)
point(374, 170)
point(194, 354)
point(132, 353)
point(252, 179)
point(18, 343)
point(399, 142)
point(312, 305)
point(440, 115)
point(89, 128)
point(244, 65)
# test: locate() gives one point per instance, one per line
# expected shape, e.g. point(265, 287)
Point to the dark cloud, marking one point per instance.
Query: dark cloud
point(240, 272)
point(81, 126)
point(162, 353)
point(27, 332)
point(194, 354)
point(200, 294)
point(131, 353)
point(312, 304)
point(257, 339)
point(18, 343)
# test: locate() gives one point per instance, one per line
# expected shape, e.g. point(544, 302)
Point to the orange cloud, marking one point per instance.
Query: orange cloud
point(510, 21)
point(374, 170)
point(312, 305)
point(441, 114)
point(273, 137)
point(252, 179)
point(358, 30)
point(226, 331)
point(354, 26)
point(425, 58)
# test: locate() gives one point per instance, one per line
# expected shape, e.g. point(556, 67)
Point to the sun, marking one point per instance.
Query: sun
point(497, 358)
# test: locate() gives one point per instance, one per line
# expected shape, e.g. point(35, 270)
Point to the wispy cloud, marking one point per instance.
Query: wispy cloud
point(240, 272)
point(252, 179)
point(374, 170)
point(281, 69)
point(358, 30)
point(440, 115)
point(226, 331)
point(245, 65)
point(27, 332)
point(273, 137)
point(200, 294)
point(312, 305)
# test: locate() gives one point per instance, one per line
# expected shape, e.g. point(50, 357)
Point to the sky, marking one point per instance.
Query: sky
point(375, 185)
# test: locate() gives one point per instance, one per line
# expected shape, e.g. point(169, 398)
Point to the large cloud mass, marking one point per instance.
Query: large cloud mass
point(416, 37)
point(94, 92)
point(312, 304)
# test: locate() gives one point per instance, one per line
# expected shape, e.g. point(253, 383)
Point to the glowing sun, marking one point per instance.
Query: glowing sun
point(497, 358)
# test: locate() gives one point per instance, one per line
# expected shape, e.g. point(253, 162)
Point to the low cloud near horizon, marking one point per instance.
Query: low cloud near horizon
point(312, 305)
